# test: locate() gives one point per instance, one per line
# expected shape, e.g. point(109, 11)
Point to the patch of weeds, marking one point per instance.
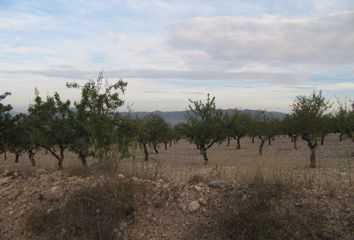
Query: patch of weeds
point(100, 212)
point(263, 210)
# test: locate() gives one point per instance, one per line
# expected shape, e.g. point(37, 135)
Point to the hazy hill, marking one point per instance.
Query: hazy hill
point(175, 117)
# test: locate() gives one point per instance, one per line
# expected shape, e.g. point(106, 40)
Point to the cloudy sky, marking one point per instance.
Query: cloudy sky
point(256, 54)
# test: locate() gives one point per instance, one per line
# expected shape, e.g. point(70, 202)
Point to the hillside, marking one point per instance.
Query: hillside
point(175, 117)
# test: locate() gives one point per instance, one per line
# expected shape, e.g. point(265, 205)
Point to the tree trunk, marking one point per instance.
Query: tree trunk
point(228, 141)
point(253, 139)
point(312, 157)
point(170, 143)
point(270, 141)
point(294, 140)
point(340, 137)
point(83, 159)
point(5, 155)
point(261, 146)
point(17, 157)
point(322, 140)
point(165, 145)
point(146, 153)
point(155, 148)
point(238, 143)
point(204, 153)
point(31, 158)
point(312, 147)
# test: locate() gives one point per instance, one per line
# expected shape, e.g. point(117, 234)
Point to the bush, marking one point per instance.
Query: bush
point(265, 210)
point(100, 212)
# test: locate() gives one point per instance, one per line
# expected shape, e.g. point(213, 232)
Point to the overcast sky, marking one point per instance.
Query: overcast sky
point(256, 54)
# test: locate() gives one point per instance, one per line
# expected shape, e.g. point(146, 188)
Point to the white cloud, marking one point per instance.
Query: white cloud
point(274, 41)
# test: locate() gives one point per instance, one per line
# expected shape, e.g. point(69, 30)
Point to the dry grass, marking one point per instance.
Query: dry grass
point(181, 162)
point(263, 209)
point(99, 212)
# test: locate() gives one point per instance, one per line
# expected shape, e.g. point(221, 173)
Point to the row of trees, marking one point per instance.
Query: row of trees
point(309, 119)
point(90, 127)
point(93, 126)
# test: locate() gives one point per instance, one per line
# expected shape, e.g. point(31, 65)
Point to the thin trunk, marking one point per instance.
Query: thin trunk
point(238, 143)
point(170, 143)
point(204, 153)
point(253, 139)
point(83, 159)
point(340, 137)
point(312, 147)
point(322, 140)
point(5, 155)
point(270, 141)
point(17, 157)
point(294, 140)
point(312, 157)
point(165, 145)
point(61, 158)
point(31, 158)
point(155, 148)
point(146, 153)
point(261, 146)
point(228, 141)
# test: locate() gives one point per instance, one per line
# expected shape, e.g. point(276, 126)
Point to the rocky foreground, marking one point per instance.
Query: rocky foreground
point(198, 209)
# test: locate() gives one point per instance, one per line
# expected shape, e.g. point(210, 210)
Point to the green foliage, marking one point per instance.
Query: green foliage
point(265, 128)
point(204, 125)
point(97, 116)
point(344, 118)
point(52, 121)
point(237, 125)
point(152, 129)
point(5, 122)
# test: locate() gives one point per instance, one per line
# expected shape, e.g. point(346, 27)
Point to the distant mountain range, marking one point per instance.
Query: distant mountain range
point(175, 117)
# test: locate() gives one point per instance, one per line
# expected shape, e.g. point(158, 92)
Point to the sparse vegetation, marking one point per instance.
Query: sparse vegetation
point(101, 212)
point(280, 202)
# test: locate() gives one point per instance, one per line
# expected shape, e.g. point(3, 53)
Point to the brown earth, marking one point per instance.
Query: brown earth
point(181, 201)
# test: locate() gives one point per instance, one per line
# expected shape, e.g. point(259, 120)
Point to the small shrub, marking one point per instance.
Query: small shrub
point(265, 209)
point(100, 212)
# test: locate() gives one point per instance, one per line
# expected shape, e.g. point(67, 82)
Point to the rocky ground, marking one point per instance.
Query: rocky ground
point(164, 211)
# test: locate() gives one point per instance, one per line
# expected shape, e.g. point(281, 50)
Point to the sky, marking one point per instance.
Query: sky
point(255, 54)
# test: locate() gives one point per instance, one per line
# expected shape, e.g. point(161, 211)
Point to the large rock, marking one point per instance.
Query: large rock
point(193, 206)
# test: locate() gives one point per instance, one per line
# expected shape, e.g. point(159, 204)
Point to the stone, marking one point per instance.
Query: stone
point(203, 201)
point(198, 188)
point(193, 206)
point(219, 184)
point(121, 176)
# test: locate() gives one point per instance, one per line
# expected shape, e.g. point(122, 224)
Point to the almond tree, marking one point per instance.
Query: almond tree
point(204, 125)
point(97, 116)
point(291, 128)
point(345, 120)
point(5, 119)
point(51, 119)
point(309, 113)
point(239, 126)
